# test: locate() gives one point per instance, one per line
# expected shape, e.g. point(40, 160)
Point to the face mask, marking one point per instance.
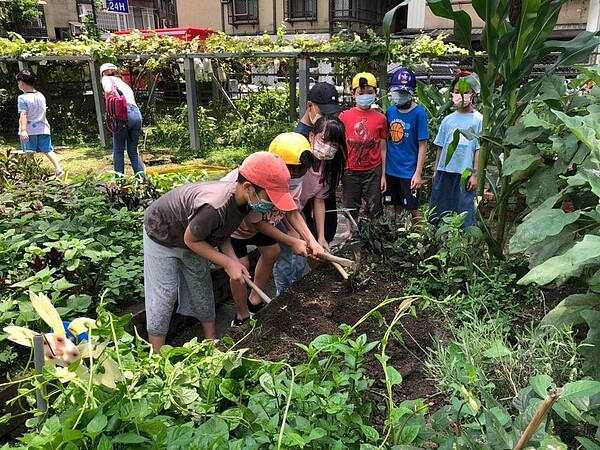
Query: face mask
point(313, 119)
point(295, 182)
point(364, 101)
point(323, 151)
point(402, 99)
point(459, 102)
point(261, 206)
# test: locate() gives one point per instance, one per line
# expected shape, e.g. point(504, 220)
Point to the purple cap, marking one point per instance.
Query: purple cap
point(403, 80)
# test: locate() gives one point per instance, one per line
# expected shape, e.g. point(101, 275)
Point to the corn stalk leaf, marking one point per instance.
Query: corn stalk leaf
point(462, 21)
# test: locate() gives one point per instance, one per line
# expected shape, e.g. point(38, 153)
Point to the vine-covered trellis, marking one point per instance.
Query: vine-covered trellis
point(224, 51)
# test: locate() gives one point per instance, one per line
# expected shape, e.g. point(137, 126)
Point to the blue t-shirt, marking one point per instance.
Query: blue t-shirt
point(303, 129)
point(406, 130)
point(464, 154)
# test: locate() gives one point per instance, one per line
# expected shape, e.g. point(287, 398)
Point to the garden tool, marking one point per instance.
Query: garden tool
point(258, 290)
point(337, 262)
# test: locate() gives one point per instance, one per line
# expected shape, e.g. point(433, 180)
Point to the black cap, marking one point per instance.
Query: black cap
point(326, 97)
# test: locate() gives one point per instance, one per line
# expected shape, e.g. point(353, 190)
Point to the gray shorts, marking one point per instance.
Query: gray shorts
point(175, 275)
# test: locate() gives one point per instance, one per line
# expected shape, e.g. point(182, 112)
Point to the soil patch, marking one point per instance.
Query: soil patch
point(322, 301)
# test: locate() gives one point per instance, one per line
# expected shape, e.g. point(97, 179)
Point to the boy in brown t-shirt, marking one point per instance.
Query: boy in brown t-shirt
point(181, 230)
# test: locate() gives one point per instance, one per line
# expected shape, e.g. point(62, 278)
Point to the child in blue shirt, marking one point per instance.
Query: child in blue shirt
point(406, 147)
point(448, 195)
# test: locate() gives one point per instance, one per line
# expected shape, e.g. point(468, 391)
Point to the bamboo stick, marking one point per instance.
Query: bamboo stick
point(340, 269)
point(539, 415)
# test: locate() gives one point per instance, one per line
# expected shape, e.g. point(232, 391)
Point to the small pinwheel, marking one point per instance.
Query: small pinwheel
point(59, 349)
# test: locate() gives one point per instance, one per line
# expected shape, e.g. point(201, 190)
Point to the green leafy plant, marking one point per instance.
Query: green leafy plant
point(198, 396)
point(514, 38)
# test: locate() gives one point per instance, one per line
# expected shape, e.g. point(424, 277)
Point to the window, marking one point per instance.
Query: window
point(142, 18)
point(300, 9)
point(139, 18)
point(363, 11)
point(242, 12)
point(35, 28)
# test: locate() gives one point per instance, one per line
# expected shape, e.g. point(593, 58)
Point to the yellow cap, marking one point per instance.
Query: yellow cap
point(289, 146)
point(371, 81)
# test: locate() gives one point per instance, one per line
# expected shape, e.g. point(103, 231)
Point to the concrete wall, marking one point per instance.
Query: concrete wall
point(199, 13)
point(207, 14)
point(58, 13)
point(573, 12)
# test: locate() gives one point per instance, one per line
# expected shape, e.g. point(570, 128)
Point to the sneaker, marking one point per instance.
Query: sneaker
point(59, 174)
point(254, 308)
point(239, 322)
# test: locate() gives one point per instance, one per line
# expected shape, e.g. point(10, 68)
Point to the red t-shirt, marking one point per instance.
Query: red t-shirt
point(364, 131)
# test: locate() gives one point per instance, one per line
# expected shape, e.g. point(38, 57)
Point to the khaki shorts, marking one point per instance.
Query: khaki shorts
point(363, 187)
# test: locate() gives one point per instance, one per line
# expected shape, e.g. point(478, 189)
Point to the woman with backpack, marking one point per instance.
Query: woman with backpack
point(124, 123)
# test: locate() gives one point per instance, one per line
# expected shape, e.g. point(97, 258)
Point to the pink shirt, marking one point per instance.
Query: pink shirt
point(313, 186)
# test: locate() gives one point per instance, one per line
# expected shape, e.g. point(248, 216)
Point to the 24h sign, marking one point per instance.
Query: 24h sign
point(117, 6)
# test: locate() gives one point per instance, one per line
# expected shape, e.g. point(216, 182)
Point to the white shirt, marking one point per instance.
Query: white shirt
point(107, 86)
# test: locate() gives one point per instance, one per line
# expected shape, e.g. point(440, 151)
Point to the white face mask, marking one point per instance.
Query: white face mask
point(313, 118)
point(460, 102)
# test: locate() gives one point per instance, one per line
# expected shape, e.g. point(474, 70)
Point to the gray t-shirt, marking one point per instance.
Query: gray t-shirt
point(208, 208)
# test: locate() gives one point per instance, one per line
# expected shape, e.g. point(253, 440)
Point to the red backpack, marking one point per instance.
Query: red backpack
point(116, 110)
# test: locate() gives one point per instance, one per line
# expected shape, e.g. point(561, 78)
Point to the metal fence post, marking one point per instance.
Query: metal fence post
point(192, 102)
point(303, 81)
point(293, 91)
point(98, 101)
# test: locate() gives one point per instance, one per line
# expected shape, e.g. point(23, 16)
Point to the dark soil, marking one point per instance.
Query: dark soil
point(322, 301)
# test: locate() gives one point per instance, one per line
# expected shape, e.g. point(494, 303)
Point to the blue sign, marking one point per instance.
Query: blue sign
point(117, 6)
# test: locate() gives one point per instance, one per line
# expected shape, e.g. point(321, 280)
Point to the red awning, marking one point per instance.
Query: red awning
point(185, 34)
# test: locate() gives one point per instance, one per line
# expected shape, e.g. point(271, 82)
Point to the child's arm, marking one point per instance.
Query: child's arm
point(23, 126)
point(437, 161)
point(417, 179)
point(299, 224)
point(383, 146)
point(472, 181)
point(233, 267)
point(298, 246)
point(319, 216)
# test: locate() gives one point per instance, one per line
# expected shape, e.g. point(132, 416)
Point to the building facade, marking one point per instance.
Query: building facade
point(252, 17)
point(61, 19)
point(326, 17)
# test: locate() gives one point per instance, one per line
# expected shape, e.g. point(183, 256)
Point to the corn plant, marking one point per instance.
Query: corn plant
point(515, 39)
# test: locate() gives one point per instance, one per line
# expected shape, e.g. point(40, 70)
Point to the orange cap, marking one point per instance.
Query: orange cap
point(268, 171)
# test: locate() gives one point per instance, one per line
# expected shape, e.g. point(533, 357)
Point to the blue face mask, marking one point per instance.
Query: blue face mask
point(295, 182)
point(261, 206)
point(364, 101)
